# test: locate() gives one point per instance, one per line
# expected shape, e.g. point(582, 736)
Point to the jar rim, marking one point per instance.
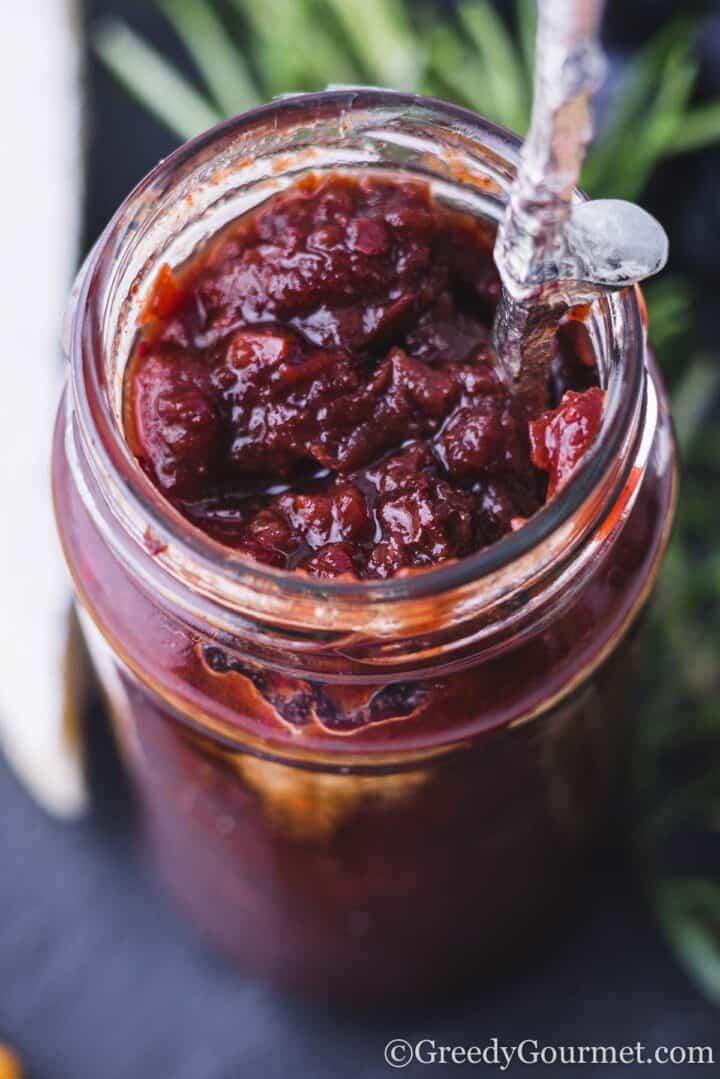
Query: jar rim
point(181, 546)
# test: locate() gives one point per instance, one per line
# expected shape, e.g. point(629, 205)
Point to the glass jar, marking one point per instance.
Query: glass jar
point(369, 787)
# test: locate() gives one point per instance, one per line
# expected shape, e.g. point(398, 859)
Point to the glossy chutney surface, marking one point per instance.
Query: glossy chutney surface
point(315, 387)
point(328, 404)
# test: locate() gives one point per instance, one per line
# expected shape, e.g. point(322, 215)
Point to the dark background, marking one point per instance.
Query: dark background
point(98, 977)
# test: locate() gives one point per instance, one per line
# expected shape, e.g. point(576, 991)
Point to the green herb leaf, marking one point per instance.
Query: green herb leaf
point(700, 128)
point(458, 71)
point(644, 114)
point(526, 23)
point(293, 47)
point(500, 61)
point(217, 59)
point(693, 398)
point(382, 37)
point(670, 313)
point(662, 120)
point(689, 912)
point(153, 80)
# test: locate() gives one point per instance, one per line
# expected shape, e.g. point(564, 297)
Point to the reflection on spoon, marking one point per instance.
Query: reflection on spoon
point(552, 251)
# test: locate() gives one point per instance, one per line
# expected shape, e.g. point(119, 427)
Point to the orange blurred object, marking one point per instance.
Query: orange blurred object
point(10, 1066)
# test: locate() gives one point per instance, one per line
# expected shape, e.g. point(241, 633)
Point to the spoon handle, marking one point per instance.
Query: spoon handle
point(569, 67)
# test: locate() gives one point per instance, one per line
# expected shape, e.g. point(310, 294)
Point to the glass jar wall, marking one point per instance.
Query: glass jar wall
point(358, 787)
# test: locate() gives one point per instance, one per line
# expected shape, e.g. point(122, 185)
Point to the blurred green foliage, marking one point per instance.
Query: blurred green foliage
point(245, 51)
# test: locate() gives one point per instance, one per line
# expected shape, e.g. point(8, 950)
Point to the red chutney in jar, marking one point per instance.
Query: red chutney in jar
point(386, 787)
point(315, 387)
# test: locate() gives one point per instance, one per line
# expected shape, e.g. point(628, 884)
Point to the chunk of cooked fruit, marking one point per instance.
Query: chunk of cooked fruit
point(315, 387)
point(561, 437)
point(176, 422)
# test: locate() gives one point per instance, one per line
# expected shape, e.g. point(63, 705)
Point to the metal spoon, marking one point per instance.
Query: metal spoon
point(551, 251)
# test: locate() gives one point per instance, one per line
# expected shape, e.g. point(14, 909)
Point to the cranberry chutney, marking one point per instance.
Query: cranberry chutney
point(315, 388)
point(363, 617)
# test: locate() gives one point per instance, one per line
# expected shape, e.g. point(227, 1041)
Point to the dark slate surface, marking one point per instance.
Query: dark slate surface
point(100, 980)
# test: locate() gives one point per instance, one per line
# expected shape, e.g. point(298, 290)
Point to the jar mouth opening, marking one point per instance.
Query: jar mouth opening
point(179, 547)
